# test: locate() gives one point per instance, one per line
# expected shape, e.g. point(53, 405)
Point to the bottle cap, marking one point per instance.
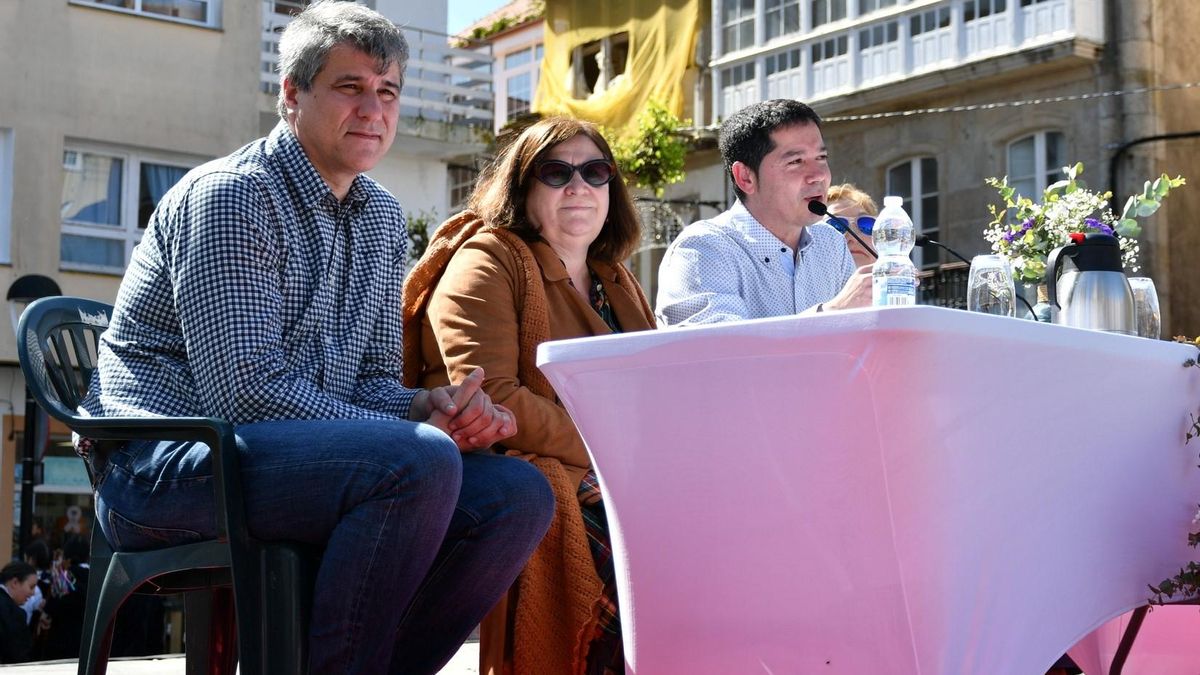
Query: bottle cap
point(893, 200)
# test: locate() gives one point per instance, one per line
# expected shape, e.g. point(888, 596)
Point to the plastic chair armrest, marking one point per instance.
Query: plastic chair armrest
point(217, 434)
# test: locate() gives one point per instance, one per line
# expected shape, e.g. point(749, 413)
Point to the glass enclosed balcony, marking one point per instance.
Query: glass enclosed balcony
point(835, 47)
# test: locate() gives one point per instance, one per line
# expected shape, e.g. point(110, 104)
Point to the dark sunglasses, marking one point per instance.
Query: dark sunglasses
point(556, 173)
point(865, 223)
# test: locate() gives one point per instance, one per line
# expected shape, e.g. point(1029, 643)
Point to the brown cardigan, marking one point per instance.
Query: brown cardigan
point(482, 297)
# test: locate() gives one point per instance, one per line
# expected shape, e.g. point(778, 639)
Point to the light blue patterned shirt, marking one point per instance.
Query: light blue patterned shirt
point(731, 267)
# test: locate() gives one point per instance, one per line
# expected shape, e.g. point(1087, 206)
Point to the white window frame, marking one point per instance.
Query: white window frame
point(974, 10)
point(1043, 19)
point(830, 64)
point(127, 231)
point(820, 18)
point(1043, 174)
point(513, 106)
point(986, 25)
point(785, 73)
point(531, 67)
point(6, 194)
point(780, 12)
point(868, 6)
point(739, 87)
point(914, 204)
point(741, 16)
point(931, 34)
point(879, 51)
point(212, 21)
point(459, 178)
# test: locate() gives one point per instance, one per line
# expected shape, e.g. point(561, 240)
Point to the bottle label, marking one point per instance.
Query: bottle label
point(900, 300)
point(896, 291)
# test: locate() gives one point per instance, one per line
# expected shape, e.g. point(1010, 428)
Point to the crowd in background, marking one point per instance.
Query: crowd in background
point(45, 592)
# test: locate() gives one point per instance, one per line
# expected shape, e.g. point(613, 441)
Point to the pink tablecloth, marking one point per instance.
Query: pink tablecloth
point(912, 490)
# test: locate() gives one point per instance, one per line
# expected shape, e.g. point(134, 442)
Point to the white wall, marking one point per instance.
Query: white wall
point(705, 181)
point(6, 178)
point(419, 184)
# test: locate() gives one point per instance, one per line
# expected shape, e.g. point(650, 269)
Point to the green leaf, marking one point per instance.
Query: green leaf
point(1128, 227)
point(1061, 185)
point(653, 157)
point(1147, 207)
point(1164, 184)
point(1130, 208)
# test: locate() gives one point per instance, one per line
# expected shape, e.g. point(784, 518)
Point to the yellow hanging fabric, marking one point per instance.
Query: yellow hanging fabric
point(662, 44)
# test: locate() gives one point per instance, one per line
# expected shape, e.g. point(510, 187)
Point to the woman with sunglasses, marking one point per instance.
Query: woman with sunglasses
point(850, 207)
point(537, 257)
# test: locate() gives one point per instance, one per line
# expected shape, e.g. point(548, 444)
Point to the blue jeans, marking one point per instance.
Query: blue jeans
point(420, 540)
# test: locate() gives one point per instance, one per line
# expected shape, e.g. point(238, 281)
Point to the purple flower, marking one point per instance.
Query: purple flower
point(1013, 234)
point(1092, 223)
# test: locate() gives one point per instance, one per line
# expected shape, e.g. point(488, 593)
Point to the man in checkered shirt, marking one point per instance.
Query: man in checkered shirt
point(266, 291)
point(768, 255)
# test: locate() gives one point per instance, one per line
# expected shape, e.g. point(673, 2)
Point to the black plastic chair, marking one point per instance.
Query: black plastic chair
point(264, 589)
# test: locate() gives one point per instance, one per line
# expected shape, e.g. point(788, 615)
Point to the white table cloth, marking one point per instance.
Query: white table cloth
point(901, 490)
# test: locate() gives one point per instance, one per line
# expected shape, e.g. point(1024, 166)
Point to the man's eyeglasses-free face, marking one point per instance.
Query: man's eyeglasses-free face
point(556, 173)
point(865, 223)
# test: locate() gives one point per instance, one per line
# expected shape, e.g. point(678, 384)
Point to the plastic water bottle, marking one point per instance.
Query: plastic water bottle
point(894, 276)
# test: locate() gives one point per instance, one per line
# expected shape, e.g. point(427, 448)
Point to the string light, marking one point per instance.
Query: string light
point(1008, 104)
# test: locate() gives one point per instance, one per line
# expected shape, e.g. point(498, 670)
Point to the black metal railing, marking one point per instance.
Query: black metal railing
point(945, 286)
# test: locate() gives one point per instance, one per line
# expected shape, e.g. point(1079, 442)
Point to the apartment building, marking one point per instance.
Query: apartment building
point(513, 35)
point(109, 102)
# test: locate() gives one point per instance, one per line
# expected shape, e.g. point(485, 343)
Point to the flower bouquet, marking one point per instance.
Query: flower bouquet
point(1025, 232)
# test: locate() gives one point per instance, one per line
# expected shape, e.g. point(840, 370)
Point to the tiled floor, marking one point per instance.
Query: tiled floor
point(466, 662)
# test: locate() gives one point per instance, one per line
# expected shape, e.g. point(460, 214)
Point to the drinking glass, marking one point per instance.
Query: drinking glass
point(990, 286)
point(1145, 307)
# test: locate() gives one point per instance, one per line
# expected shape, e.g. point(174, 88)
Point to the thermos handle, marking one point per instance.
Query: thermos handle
point(1052, 265)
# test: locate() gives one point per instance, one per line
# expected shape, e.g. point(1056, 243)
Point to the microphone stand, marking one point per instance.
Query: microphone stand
point(923, 240)
point(820, 209)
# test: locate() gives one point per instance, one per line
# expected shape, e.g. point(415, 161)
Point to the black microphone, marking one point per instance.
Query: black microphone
point(820, 209)
point(923, 240)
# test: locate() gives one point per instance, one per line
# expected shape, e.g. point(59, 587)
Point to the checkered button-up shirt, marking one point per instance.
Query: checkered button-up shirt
point(731, 267)
point(255, 295)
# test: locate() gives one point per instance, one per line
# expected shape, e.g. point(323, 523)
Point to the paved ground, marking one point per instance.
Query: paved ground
point(466, 662)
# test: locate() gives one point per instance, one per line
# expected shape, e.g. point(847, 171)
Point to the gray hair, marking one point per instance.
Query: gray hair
point(307, 40)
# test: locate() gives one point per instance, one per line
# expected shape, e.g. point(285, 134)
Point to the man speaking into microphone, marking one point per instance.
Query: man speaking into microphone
point(770, 254)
